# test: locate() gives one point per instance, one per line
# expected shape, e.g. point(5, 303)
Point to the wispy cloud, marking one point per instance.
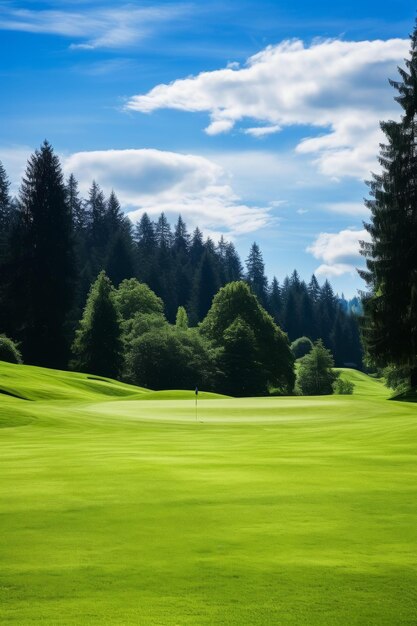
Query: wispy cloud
point(338, 87)
point(154, 181)
point(339, 251)
point(94, 26)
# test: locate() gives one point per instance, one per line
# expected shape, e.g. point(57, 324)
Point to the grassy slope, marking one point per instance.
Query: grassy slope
point(264, 511)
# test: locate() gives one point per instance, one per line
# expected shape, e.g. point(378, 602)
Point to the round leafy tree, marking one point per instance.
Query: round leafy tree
point(316, 375)
point(275, 361)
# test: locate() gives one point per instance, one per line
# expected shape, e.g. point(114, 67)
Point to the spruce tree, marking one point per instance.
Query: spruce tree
point(41, 285)
point(97, 347)
point(275, 301)
point(76, 205)
point(390, 325)
point(255, 275)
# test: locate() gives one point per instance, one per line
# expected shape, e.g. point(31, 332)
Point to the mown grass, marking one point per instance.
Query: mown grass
point(125, 509)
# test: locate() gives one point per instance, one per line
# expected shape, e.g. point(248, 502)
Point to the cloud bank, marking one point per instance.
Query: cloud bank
point(155, 181)
point(339, 251)
point(338, 87)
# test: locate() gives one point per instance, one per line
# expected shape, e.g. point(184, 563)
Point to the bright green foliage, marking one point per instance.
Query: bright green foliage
point(9, 351)
point(276, 362)
point(301, 346)
point(182, 318)
point(98, 346)
point(170, 358)
point(239, 361)
point(315, 375)
point(133, 297)
point(273, 511)
point(343, 387)
point(390, 328)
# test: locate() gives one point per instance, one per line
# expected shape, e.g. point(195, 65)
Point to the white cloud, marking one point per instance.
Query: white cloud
point(337, 86)
point(154, 181)
point(262, 131)
point(332, 271)
point(339, 251)
point(94, 27)
point(348, 208)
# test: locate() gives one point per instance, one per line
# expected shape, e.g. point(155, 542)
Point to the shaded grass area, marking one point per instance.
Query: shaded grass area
point(263, 511)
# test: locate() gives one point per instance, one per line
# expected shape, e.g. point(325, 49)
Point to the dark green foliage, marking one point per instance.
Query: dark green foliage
point(390, 306)
point(5, 214)
point(235, 300)
point(397, 378)
point(42, 269)
point(242, 371)
point(9, 351)
point(301, 346)
point(315, 375)
point(206, 285)
point(120, 259)
point(343, 387)
point(171, 358)
point(255, 274)
point(98, 346)
point(182, 271)
point(133, 297)
point(275, 301)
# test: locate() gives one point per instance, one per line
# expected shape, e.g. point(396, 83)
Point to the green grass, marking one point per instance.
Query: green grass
point(118, 507)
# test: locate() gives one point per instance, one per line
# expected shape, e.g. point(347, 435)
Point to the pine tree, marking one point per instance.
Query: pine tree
point(5, 213)
point(233, 266)
point(146, 247)
point(42, 270)
point(76, 206)
point(390, 326)
point(256, 274)
point(114, 215)
point(163, 232)
point(206, 285)
point(197, 247)
point(97, 347)
point(181, 241)
point(275, 301)
point(98, 228)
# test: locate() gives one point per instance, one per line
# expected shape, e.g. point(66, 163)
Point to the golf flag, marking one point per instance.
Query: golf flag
point(196, 391)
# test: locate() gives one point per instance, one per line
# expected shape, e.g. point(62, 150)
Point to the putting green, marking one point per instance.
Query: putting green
point(119, 507)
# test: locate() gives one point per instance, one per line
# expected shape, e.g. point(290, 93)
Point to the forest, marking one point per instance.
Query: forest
point(63, 255)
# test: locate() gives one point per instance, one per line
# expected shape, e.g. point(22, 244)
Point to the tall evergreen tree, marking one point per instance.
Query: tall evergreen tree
point(76, 206)
point(5, 209)
point(146, 247)
point(275, 301)
point(390, 327)
point(206, 285)
point(256, 274)
point(98, 227)
point(43, 266)
point(97, 347)
point(233, 265)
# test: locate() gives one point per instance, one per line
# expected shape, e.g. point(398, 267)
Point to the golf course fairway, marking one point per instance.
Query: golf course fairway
point(119, 507)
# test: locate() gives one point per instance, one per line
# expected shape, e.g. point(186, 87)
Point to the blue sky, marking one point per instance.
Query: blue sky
point(258, 120)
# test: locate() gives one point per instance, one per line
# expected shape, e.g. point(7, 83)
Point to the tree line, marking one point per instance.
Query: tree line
point(54, 243)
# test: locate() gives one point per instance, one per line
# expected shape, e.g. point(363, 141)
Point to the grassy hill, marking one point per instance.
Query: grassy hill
point(119, 507)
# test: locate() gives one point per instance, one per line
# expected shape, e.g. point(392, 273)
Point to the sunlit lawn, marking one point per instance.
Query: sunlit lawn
point(118, 508)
